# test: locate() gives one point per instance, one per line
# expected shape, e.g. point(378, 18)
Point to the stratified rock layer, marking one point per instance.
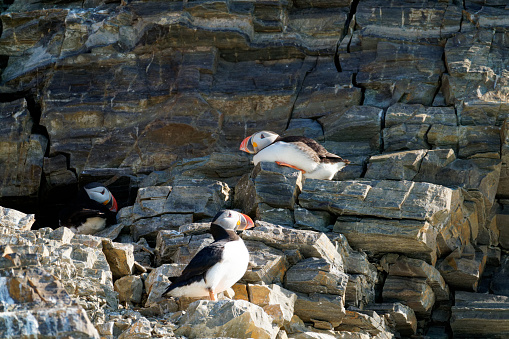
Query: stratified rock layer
point(157, 96)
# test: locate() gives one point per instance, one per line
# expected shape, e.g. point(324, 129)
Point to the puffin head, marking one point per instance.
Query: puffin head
point(258, 141)
point(102, 195)
point(232, 220)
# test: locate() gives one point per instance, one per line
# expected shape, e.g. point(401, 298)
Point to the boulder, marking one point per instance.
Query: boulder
point(15, 220)
point(201, 197)
point(462, 269)
point(413, 238)
point(316, 275)
point(395, 166)
point(120, 258)
point(479, 141)
point(480, 315)
point(324, 307)
point(240, 291)
point(365, 321)
point(308, 243)
point(129, 288)
point(162, 273)
point(401, 317)
point(271, 184)
point(379, 198)
point(157, 281)
point(278, 302)
point(413, 292)
point(140, 329)
point(408, 267)
point(49, 322)
point(356, 262)
point(63, 234)
point(226, 318)
point(150, 201)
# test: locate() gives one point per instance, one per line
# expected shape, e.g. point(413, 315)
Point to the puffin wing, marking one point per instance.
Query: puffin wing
point(317, 151)
point(310, 146)
point(101, 210)
point(199, 265)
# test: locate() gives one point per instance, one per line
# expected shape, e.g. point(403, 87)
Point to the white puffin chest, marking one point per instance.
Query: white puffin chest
point(230, 269)
point(288, 153)
point(90, 226)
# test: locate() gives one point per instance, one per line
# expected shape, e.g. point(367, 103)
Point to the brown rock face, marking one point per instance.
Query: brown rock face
point(153, 99)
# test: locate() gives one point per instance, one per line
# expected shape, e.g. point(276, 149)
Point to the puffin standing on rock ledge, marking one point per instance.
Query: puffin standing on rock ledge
point(219, 265)
point(301, 153)
point(93, 208)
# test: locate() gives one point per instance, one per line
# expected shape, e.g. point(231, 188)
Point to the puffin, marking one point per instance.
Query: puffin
point(301, 153)
point(93, 208)
point(217, 266)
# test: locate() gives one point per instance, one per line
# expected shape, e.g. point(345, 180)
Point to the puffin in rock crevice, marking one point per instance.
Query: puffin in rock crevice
point(217, 266)
point(93, 208)
point(301, 153)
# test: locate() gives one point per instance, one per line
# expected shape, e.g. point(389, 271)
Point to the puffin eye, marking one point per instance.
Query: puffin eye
point(102, 192)
point(262, 136)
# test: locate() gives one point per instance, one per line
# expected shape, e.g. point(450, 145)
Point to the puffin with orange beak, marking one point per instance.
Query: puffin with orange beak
point(301, 153)
point(93, 208)
point(219, 265)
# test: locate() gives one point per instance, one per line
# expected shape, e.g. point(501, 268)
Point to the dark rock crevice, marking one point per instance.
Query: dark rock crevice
point(382, 127)
point(363, 89)
point(34, 107)
point(298, 91)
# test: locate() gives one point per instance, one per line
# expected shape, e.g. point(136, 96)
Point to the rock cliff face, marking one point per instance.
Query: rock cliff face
point(154, 97)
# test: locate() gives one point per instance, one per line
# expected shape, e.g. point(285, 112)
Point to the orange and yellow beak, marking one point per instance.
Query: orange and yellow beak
point(245, 222)
point(246, 145)
point(113, 203)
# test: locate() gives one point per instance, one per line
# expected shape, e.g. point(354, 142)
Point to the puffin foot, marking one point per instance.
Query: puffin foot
point(288, 165)
point(212, 296)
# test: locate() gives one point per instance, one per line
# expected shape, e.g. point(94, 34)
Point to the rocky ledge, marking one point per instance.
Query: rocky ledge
point(328, 259)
